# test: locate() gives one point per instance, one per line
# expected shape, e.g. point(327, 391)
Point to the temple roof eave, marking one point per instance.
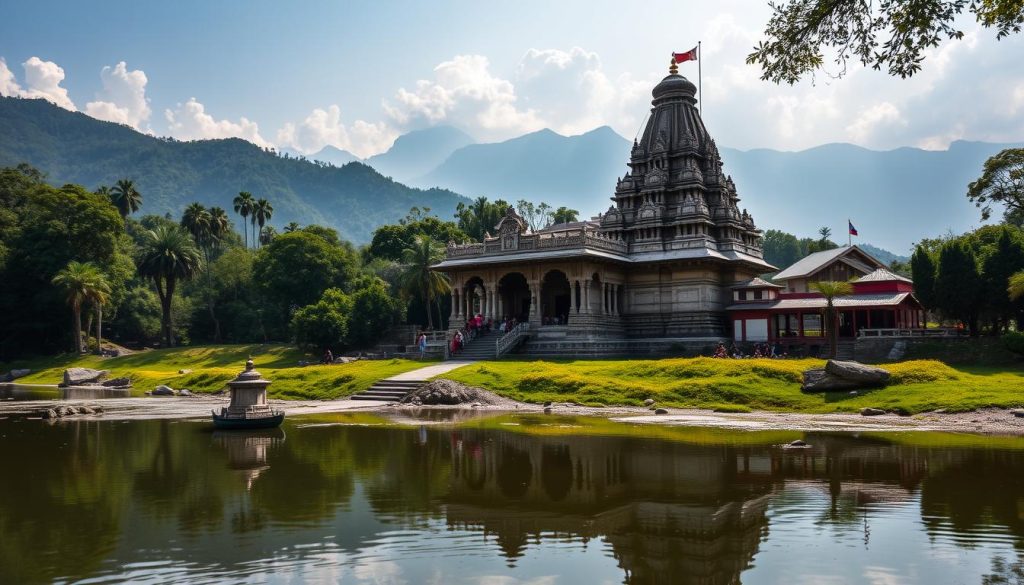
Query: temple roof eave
point(728, 256)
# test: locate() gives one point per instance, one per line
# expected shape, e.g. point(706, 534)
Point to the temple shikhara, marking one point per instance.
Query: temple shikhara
point(658, 270)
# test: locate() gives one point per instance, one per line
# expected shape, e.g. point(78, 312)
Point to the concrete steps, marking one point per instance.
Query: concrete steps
point(844, 350)
point(389, 390)
point(481, 348)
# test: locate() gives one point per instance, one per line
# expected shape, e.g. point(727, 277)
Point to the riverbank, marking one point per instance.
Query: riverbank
point(744, 385)
point(559, 418)
point(206, 369)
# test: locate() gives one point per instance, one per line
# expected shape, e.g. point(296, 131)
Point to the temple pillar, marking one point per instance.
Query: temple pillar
point(615, 299)
point(586, 298)
point(572, 297)
point(453, 317)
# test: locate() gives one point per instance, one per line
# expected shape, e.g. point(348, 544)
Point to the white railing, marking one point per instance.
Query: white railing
point(506, 342)
point(910, 332)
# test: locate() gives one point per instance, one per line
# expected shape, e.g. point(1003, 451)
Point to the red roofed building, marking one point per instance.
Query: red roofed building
point(790, 313)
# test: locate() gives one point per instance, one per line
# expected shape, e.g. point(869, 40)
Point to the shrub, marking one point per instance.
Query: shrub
point(1014, 342)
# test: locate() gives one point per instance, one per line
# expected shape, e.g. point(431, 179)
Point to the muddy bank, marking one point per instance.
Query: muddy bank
point(988, 421)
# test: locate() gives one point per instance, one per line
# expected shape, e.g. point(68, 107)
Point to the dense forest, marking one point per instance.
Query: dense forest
point(74, 148)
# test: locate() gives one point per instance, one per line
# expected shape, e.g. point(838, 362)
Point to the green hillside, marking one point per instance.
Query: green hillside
point(74, 148)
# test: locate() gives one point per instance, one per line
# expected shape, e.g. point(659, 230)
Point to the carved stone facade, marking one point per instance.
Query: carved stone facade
point(657, 265)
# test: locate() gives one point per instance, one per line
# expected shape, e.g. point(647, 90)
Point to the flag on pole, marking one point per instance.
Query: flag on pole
point(690, 55)
point(853, 230)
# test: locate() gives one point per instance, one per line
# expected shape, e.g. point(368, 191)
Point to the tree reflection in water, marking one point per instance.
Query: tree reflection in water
point(84, 498)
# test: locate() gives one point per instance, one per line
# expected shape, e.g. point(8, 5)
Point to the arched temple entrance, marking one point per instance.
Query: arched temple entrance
point(555, 298)
point(473, 295)
point(514, 295)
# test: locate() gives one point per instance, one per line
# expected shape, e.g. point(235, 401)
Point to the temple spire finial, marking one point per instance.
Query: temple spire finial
point(673, 68)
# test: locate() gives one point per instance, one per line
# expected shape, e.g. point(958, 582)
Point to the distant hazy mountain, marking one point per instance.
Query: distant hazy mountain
point(894, 198)
point(74, 148)
point(576, 171)
point(333, 155)
point(417, 152)
point(884, 256)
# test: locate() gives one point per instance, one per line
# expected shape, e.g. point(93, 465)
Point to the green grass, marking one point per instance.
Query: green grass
point(734, 385)
point(213, 366)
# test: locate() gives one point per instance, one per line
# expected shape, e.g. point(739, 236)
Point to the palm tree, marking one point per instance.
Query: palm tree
point(291, 227)
point(1016, 288)
point(418, 278)
point(126, 198)
point(196, 219)
point(243, 206)
point(99, 297)
point(169, 255)
point(219, 224)
point(830, 290)
point(80, 282)
point(262, 212)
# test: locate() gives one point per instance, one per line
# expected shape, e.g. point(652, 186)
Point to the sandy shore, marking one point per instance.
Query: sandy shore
point(988, 421)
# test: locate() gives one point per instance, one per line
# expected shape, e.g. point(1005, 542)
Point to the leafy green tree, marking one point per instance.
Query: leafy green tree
point(81, 282)
point(892, 34)
point(565, 215)
point(1001, 182)
point(126, 197)
point(295, 269)
point(262, 212)
point(922, 268)
point(781, 249)
point(389, 241)
point(169, 256)
point(1005, 259)
point(323, 324)
point(329, 235)
point(478, 218)
point(1016, 287)
point(958, 285)
point(374, 311)
point(267, 235)
point(138, 317)
point(418, 278)
point(831, 290)
point(244, 204)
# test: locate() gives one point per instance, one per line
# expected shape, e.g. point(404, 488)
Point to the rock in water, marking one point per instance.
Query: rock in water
point(871, 411)
point(77, 376)
point(15, 374)
point(857, 372)
point(1017, 412)
point(162, 390)
point(122, 382)
point(798, 443)
point(819, 380)
point(184, 392)
point(660, 411)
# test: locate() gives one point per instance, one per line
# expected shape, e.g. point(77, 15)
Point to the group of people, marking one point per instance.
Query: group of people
point(760, 350)
point(556, 320)
point(476, 326)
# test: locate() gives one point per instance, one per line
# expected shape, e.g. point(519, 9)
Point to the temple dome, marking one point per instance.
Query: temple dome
point(674, 85)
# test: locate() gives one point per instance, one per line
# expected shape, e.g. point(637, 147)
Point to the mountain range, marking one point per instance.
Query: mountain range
point(894, 197)
point(71, 147)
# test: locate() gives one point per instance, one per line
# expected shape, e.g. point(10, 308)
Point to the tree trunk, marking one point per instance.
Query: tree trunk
point(99, 329)
point(830, 325)
point(88, 329)
point(216, 323)
point(76, 324)
point(440, 321)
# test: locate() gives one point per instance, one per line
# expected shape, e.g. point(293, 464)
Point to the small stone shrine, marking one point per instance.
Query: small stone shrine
point(248, 407)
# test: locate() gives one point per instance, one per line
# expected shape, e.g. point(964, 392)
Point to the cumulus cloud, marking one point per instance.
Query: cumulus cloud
point(325, 127)
point(123, 98)
point(42, 80)
point(881, 115)
point(464, 92)
point(189, 121)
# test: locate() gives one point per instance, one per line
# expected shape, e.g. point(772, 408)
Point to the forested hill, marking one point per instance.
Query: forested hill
point(74, 148)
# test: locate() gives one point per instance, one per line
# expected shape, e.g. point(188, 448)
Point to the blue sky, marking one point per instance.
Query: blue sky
point(358, 74)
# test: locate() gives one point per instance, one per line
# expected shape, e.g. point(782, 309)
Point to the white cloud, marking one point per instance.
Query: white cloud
point(881, 115)
point(123, 98)
point(323, 127)
point(42, 80)
point(464, 93)
point(189, 121)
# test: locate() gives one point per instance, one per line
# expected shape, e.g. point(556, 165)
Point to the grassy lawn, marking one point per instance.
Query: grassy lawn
point(213, 366)
point(742, 385)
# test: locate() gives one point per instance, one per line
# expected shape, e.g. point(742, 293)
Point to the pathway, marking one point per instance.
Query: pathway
point(395, 388)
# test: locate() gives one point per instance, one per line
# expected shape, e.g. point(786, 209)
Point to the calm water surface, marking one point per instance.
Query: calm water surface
point(338, 498)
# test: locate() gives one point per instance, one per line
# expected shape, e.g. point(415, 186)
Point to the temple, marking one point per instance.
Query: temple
point(654, 271)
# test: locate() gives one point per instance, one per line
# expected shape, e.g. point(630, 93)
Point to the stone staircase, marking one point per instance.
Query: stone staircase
point(844, 350)
point(389, 390)
point(481, 348)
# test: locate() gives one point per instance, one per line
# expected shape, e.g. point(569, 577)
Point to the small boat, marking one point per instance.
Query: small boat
point(225, 421)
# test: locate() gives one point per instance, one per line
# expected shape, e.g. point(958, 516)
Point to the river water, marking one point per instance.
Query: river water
point(509, 500)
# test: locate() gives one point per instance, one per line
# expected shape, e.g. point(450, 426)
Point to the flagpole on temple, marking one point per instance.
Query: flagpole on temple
point(700, 81)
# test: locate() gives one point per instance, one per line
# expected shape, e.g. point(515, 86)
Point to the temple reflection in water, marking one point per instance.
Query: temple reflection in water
point(690, 506)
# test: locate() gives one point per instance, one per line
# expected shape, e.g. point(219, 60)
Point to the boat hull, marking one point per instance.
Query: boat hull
point(263, 422)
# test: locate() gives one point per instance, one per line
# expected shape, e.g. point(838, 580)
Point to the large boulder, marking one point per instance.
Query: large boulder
point(79, 376)
point(15, 374)
point(162, 390)
point(122, 382)
point(858, 372)
point(842, 376)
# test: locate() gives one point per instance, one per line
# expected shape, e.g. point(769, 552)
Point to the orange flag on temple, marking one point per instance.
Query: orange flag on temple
point(690, 55)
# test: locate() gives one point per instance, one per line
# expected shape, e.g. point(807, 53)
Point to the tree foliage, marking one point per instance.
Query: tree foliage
point(922, 268)
point(325, 323)
point(169, 257)
point(390, 240)
point(891, 34)
point(958, 288)
point(1001, 182)
point(417, 276)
